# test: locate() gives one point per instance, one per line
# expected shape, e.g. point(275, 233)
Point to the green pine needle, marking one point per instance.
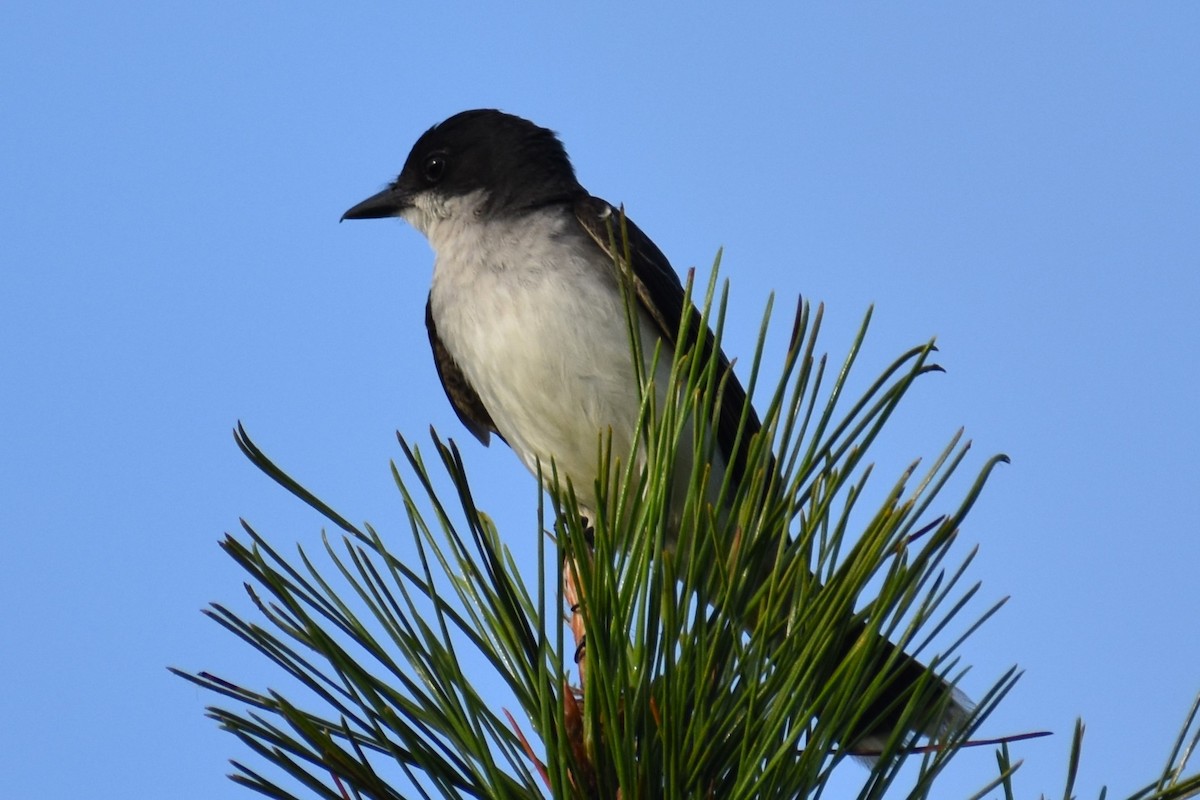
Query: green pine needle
point(715, 664)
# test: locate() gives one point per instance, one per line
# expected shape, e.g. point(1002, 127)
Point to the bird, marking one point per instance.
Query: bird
point(528, 327)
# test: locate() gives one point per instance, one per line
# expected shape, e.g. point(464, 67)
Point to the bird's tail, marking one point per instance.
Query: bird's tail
point(909, 696)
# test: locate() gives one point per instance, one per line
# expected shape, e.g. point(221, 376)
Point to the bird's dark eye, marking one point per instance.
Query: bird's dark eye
point(435, 167)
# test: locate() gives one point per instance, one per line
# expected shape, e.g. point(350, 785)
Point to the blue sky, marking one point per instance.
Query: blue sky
point(1020, 180)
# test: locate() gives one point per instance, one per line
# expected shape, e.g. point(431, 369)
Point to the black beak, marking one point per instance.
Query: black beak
point(391, 202)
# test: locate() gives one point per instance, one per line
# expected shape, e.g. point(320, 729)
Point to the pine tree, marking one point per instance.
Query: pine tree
point(671, 696)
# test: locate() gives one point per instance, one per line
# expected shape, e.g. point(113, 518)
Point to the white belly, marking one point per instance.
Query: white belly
point(541, 335)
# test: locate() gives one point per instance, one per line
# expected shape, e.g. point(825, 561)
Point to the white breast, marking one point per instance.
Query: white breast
point(537, 325)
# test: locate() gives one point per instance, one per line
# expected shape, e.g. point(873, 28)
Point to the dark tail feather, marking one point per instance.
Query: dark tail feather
point(910, 695)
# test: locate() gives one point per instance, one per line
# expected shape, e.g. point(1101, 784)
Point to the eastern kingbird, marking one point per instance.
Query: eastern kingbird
point(527, 319)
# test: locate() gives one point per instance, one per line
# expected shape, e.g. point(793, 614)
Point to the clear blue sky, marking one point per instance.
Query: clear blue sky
point(1021, 180)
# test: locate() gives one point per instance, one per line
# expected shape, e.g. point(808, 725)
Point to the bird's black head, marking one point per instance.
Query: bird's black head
point(516, 164)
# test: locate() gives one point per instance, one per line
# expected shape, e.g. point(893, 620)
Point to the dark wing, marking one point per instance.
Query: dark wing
point(462, 395)
point(660, 295)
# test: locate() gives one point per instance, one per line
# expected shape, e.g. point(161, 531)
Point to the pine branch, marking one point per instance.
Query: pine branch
point(728, 662)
